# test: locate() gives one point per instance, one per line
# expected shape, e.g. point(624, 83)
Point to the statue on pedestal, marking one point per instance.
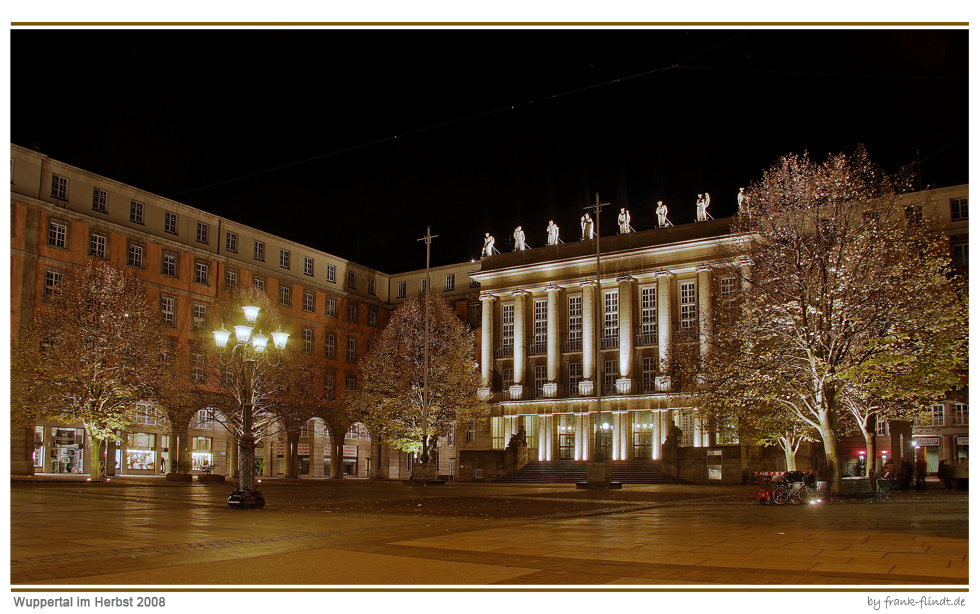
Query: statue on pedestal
point(519, 242)
point(552, 233)
point(743, 201)
point(588, 230)
point(624, 221)
point(662, 221)
point(488, 241)
point(703, 202)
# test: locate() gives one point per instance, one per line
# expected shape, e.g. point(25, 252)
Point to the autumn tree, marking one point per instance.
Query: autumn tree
point(838, 275)
point(220, 388)
point(312, 390)
point(94, 353)
point(391, 390)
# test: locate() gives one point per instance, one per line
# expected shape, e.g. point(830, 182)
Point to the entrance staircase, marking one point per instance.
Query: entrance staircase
point(570, 472)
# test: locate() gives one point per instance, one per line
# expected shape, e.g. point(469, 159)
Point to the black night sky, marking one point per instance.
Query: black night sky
point(291, 130)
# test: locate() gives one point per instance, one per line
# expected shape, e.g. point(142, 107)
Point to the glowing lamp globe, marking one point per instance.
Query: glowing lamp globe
point(251, 313)
point(279, 339)
point(243, 332)
point(221, 337)
point(259, 342)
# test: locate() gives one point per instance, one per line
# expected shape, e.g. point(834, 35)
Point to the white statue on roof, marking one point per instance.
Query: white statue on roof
point(552, 233)
point(588, 230)
point(519, 241)
point(488, 241)
point(624, 221)
point(662, 221)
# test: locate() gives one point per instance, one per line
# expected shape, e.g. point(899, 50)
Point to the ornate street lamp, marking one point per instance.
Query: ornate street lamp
point(248, 349)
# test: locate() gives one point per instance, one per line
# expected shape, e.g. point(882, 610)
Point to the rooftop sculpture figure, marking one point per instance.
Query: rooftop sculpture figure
point(624, 221)
point(703, 202)
point(662, 221)
point(588, 230)
point(743, 201)
point(488, 241)
point(519, 241)
point(552, 233)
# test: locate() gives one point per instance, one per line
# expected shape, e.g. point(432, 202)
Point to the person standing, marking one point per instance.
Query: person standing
point(920, 473)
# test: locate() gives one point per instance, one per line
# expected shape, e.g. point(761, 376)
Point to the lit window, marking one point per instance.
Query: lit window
point(331, 273)
point(450, 282)
point(199, 317)
point(284, 295)
point(309, 301)
point(135, 255)
point(136, 211)
point(259, 251)
point(688, 306)
point(330, 345)
point(961, 414)
point(350, 380)
point(372, 286)
point(231, 242)
point(259, 284)
point(231, 279)
point(284, 258)
point(352, 313)
point(202, 232)
point(202, 272)
point(938, 414)
point(58, 234)
point(351, 349)
point(198, 367)
point(507, 333)
point(913, 213)
point(575, 319)
point(170, 222)
point(100, 200)
point(169, 264)
point(961, 254)
point(401, 289)
point(59, 187)
point(649, 374)
point(958, 209)
point(307, 265)
point(540, 324)
point(52, 281)
point(648, 315)
point(331, 308)
point(168, 307)
point(308, 340)
point(205, 421)
point(610, 330)
point(98, 245)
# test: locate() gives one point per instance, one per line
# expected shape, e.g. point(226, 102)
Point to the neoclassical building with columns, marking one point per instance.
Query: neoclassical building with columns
point(553, 331)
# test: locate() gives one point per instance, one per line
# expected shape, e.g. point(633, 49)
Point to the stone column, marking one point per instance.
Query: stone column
point(658, 434)
point(578, 437)
point(624, 385)
point(588, 340)
point(705, 311)
point(554, 350)
point(486, 344)
point(520, 339)
point(617, 447)
point(542, 437)
point(665, 333)
point(585, 434)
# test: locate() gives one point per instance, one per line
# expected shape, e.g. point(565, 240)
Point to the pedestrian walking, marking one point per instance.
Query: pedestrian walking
point(946, 474)
point(920, 474)
point(905, 470)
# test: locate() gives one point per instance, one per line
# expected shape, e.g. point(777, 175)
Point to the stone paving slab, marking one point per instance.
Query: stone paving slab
point(314, 533)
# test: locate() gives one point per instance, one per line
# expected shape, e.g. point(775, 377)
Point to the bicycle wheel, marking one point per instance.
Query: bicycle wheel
point(806, 495)
point(780, 495)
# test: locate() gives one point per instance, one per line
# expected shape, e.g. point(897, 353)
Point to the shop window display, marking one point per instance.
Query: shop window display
point(140, 451)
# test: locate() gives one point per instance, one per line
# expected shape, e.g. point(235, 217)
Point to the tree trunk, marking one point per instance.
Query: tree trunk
point(790, 453)
point(829, 438)
point(96, 456)
point(871, 443)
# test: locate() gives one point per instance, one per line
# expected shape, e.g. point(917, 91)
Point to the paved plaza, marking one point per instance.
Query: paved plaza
point(353, 532)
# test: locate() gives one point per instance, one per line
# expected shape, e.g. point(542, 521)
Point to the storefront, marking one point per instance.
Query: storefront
point(928, 447)
point(350, 460)
point(202, 458)
point(141, 454)
point(66, 451)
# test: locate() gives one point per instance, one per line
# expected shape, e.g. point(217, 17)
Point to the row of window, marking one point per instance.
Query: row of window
point(199, 370)
point(648, 314)
point(648, 377)
point(401, 288)
point(100, 203)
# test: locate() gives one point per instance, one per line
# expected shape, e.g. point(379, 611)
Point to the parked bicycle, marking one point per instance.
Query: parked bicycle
point(797, 487)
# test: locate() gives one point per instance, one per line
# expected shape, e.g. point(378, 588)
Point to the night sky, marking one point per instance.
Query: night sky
point(291, 131)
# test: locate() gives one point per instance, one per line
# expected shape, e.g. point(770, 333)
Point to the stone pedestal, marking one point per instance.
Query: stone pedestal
point(586, 388)
point(425, 474)
point(516, 392)
point(624, 385)
point(551, 390)
point(663, 383)
point(599, 477)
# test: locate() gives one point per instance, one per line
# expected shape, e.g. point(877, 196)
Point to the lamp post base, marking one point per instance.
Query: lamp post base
point(240, 500)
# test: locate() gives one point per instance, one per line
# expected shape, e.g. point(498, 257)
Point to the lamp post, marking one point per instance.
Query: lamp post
point(248, 349)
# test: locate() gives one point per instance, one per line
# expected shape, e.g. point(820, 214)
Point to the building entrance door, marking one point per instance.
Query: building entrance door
point(566, 446)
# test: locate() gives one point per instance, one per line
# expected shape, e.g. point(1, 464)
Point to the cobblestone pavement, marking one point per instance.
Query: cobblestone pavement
point(352, 532)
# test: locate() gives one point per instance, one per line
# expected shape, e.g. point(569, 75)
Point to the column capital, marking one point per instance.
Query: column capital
point(666, 274)
point(552, 288)
point(486, 296)
point(623, 278)
point(521, 293)
point(704, 268)
point(587, 282)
